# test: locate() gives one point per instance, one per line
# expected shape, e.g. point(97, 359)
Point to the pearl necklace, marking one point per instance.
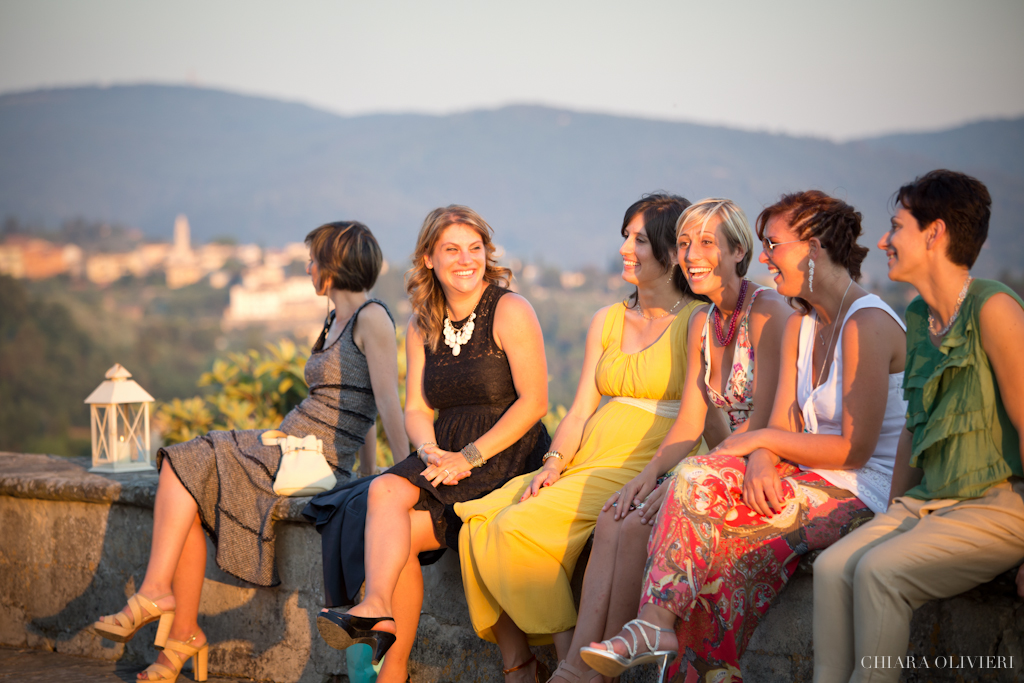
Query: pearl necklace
point(640, 309)
point(933, 324)
point(456, 339)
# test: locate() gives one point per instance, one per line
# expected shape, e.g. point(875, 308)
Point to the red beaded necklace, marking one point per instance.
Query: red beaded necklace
point(725, 340)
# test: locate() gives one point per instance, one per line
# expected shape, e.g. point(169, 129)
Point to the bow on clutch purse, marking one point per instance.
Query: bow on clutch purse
point(304, 470)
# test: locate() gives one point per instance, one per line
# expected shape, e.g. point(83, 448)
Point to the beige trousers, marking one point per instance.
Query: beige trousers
point(868, 584)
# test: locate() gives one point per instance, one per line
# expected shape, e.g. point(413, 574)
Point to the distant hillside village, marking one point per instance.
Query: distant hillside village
point(262, 290)
point(267, 286)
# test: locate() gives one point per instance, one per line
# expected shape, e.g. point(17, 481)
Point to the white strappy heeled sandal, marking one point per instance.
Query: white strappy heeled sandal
point(608, 663)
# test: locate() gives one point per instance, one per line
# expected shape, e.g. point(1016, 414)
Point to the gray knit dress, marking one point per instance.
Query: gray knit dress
point(231, 474)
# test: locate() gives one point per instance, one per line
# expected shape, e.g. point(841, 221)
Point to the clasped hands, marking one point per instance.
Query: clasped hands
point(762, 486)
point(643, 495)
point(444, 467)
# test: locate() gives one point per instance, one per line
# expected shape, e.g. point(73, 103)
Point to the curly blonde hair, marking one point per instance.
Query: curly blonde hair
point(425, 293)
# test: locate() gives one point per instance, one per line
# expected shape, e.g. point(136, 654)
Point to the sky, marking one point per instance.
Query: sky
point(839, 70)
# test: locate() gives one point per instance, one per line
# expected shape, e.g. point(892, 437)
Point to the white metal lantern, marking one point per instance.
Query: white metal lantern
point(120, 424)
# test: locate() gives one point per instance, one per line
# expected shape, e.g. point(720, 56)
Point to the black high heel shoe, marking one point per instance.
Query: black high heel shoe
point(342, 631)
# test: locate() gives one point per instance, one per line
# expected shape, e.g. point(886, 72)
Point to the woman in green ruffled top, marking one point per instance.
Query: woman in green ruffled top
point(956, 513)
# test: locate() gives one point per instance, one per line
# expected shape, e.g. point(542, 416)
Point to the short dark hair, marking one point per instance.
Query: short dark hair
point(962, 202)
point(661, 211)
point(348, 253)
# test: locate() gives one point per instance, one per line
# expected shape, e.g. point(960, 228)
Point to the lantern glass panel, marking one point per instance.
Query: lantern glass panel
point(121, 437)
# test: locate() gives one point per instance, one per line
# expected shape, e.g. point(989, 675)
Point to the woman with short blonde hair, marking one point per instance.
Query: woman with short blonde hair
point(726, 373)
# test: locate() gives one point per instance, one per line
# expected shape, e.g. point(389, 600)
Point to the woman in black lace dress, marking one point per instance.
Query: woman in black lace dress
point(476, 355)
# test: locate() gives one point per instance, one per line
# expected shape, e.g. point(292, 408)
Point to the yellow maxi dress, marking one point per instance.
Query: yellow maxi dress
point(519, 557)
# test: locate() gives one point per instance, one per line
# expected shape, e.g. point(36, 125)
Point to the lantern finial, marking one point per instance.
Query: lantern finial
point(118, 373)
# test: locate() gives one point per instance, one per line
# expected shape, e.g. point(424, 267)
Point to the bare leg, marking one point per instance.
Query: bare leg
point(563, 641)
point(407, 602)
point(515, 650)
point(174, 514)
point(187, 585)
point(598, 584)
point(389, 544)
point(630, 560)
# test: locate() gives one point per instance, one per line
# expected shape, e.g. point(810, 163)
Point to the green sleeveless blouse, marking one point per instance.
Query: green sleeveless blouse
point(963, 438)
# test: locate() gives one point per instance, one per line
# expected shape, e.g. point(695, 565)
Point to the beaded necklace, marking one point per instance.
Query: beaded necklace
point(725, 340)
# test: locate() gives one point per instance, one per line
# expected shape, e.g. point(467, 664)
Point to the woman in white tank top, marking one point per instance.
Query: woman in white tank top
point(736, 521)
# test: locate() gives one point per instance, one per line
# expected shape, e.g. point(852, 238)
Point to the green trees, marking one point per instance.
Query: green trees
point(48, 365)
point(253, 390)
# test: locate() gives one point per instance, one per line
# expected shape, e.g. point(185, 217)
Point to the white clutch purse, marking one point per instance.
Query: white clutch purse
point(304, 470)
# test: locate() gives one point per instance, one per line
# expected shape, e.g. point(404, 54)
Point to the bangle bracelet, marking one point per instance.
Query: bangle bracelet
point(419, 451)
point(473, 455)
point(552, 454)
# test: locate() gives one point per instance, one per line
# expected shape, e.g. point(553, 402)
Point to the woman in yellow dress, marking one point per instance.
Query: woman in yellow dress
point(519, 544)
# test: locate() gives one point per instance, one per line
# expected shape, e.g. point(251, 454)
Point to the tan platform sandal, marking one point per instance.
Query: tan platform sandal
point(567, 671)
point(143, 611)
point(174, 651)
point(572, 674)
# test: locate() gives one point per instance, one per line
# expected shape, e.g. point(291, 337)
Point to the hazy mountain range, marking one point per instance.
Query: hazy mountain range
point(554, 184)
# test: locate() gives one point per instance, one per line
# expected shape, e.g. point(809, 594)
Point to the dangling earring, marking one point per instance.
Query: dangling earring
point(810, 276)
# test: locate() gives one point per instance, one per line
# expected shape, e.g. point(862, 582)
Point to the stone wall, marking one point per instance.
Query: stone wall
point(74, 545)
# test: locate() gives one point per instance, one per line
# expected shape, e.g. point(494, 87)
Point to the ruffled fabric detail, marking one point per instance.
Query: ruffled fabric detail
point(952, 406)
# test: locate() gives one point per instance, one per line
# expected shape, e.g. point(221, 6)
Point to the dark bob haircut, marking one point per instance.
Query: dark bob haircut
point(347, 253)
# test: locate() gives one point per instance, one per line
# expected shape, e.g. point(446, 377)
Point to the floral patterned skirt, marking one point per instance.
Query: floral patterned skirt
point(718, 565)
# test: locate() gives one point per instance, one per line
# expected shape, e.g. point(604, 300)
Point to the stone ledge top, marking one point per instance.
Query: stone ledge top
point(52, 477)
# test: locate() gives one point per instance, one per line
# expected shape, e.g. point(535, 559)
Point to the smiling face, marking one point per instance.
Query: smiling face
point(639, 265)
point(705, 256)
point(787, 262)
point(904, 244)
point(458, 259)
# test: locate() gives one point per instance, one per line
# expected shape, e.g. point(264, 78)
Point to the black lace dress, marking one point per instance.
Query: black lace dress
point(471, 392)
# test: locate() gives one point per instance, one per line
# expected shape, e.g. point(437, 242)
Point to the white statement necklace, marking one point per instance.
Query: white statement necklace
point(456, 339)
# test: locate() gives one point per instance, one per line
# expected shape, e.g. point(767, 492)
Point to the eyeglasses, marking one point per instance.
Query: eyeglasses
point(769, 246)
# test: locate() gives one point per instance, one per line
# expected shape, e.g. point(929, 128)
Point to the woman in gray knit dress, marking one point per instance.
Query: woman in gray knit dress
point(223, 482)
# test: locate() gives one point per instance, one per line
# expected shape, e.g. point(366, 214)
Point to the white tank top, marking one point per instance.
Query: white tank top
point(822, 409)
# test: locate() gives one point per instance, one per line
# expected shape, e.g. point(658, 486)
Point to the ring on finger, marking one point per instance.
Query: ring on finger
point(447, 474)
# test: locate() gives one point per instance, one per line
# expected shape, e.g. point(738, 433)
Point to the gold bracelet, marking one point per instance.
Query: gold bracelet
point(552, 454)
